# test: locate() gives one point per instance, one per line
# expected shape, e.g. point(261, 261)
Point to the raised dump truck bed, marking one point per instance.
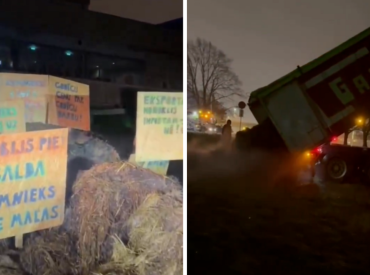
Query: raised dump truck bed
point(320, 99)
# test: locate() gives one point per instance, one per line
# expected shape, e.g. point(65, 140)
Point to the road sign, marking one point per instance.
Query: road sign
point(242, 105)
point(241, 113)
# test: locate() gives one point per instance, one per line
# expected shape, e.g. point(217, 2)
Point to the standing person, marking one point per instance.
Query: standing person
point(226, 133)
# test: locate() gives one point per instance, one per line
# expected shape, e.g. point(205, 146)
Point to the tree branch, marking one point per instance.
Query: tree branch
point(210, 69)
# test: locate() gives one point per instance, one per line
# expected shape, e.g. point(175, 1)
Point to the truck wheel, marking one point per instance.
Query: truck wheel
point(336, 169)
point(90, 146)
point(85, 149)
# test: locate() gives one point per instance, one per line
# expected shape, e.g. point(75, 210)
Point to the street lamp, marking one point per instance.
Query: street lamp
point(359, 121)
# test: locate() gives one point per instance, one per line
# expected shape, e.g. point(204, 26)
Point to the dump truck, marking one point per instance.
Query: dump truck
point(307, 109)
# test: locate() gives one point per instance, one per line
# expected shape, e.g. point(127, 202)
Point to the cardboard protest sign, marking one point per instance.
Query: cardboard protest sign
point(132, 158)
point(69, 104)
point(31, 89)
point(33, 169)
point(159, 126)
point(12, 117)
point(36, 110)
point(159, 167)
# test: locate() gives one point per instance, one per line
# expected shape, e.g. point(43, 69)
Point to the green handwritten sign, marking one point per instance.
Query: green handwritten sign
point(160, 166)
point(159, 126)
point(12, 117)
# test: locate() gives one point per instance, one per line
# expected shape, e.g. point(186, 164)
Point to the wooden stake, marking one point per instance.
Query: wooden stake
point(19, 241)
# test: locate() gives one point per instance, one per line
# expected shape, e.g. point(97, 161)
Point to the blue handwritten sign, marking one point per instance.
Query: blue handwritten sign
point(31, 89)
point(32, 178)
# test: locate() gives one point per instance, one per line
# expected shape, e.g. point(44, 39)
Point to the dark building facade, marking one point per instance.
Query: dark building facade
point(176, 24)
point(115, 56)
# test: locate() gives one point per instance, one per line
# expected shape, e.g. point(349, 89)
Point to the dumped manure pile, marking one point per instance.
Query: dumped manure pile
point(121, 219)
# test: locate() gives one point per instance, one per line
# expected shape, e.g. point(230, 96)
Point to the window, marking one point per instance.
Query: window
point(113, 69)
point(50, 60)
point(6, 63)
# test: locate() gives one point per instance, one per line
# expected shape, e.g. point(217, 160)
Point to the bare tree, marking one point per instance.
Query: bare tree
point(218, 110)
point(210, 77)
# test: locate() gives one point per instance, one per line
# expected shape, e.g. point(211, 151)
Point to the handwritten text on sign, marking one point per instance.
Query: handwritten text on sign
point(12, 117)
point(159, 167)
point(36, 110)
point(29, 88)
point(159, 126)
point(72, 103)
point(33, 169)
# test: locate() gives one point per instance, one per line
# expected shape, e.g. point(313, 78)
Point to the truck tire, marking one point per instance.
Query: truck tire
point(85, 149)
point(82, 144)
point(90, 146)
point(336, 169)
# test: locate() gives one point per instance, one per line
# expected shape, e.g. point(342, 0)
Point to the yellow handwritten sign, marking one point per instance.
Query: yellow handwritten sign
point(36, 110)
point(69, 103)
point(31, 89)
point(159, 126)
point(33, 169)
point(159, 167)
point(12, 117)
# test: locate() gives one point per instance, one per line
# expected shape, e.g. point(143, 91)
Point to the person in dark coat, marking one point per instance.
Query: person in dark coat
point(226, 133)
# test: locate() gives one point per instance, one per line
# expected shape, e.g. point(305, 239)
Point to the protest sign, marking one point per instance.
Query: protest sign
point(69, 104)
point(159, 167)
point(36, 110)
point(159, 126)
point(33, 169)
point(12, 117)
point(31, 89)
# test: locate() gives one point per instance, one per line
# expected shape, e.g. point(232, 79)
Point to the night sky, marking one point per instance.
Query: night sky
point(150, 11)
point(269, 38)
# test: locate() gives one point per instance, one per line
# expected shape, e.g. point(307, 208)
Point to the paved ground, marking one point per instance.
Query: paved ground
point(246, 216)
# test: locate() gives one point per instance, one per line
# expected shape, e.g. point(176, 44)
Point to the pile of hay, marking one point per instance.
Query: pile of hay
point(122, 219)
point(155, 239)
point(50, 252)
